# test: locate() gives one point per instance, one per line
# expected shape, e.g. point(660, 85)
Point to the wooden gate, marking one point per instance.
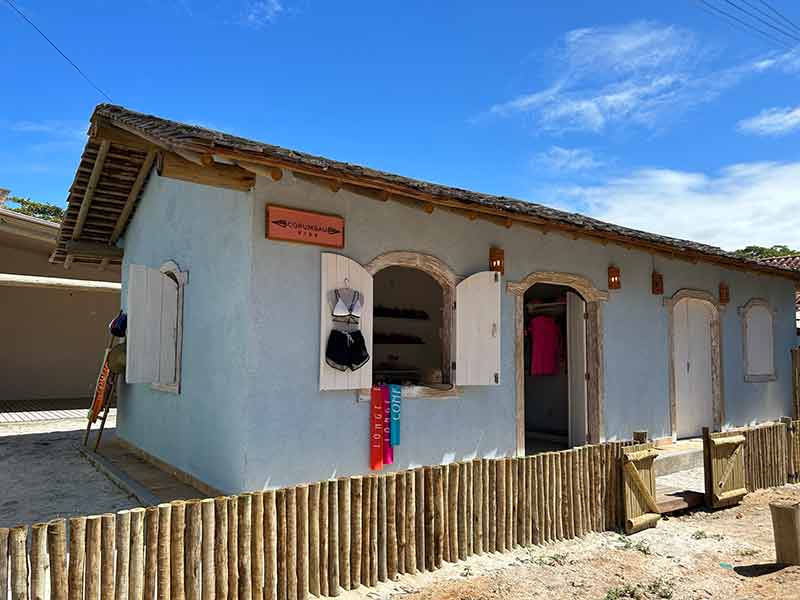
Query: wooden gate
point(639, 487)
point(723, 459)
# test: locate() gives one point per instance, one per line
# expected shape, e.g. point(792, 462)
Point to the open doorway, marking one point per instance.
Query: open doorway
point(409, 343)
point(554, 367)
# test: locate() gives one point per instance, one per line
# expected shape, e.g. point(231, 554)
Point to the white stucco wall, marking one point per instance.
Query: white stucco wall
point(204, 230)
point(251, 415)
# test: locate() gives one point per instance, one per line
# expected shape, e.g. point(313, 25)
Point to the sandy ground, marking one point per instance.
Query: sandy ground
point(725, 554)
point(43, 476)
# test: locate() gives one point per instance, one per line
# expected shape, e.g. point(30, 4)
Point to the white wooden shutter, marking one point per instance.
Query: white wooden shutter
point(169, 330)
point(478, 330)
point(335, 269)
point(759, 342)
point(144, 325)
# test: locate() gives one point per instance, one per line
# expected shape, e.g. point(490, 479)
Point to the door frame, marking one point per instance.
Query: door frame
point(594, 299)
point(717, 402)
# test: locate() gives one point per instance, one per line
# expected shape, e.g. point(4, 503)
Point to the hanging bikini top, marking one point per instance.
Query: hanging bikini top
point(345, 311)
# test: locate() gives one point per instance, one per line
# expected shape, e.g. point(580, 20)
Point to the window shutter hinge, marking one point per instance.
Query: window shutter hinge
point(586, 316)
point(497, 377)
point(454, 304)
point(586, 376)
point(453, 366)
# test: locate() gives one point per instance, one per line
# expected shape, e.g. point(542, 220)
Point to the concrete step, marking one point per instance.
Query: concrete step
point(675, 461)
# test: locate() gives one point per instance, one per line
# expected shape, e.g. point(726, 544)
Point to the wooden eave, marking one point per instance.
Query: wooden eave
point(232, 162)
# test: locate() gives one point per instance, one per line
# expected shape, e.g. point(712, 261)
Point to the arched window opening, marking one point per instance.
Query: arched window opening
point(410, 332)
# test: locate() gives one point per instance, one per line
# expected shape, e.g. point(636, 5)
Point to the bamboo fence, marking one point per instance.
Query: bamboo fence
point(327, 537)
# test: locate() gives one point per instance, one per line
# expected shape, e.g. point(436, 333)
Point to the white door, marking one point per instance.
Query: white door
point(576, 361)
point(692, 361)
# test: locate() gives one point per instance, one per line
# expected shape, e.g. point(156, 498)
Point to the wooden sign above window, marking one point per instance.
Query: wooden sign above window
point(304, 227)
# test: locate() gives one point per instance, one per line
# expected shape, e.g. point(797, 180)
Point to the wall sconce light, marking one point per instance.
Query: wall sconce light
point(657, 283)
point(724, 293)
point(614, 280)
point(497, 260)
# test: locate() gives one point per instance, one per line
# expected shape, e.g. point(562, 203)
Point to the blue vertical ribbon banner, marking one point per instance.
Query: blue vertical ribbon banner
point(395, 394)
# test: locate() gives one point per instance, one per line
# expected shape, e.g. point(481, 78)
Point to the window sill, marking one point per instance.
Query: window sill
point(169, 388)
point(414, 392)
point(760, 378)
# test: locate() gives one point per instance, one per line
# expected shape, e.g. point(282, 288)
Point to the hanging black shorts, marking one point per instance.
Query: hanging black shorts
point(346, 350)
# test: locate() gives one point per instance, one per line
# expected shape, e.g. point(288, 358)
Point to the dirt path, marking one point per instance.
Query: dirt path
point(727, 554)
point(43, 476)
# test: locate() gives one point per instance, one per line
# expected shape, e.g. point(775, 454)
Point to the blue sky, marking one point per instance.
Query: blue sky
point(655, 115)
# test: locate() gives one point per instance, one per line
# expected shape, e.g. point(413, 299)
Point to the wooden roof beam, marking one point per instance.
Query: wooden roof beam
point(119, 227)
point(90, 188)
point(95, 249)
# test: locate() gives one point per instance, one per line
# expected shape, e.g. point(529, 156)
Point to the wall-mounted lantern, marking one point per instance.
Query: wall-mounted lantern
point(724, 293)
point(497, 260)
point(657, 283)
point(614, 279)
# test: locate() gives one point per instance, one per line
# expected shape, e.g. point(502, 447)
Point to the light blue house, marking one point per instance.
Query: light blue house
point(574, 331)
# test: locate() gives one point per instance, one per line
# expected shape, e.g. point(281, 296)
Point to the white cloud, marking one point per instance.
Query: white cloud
point(260, 13)
point(748, 203)
point(51, 128)
point(568, 160)
point(772, 121)
point(641, 73)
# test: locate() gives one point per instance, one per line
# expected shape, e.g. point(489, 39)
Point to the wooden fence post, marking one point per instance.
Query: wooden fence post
point(438, 515)
point(400, 514)
point(282, 534)
point(176, 555)
point(301, 497)
point(324, 536)
point(137, 554)
point(257, 544)
point(313, 540)
point(18, 542)
point(411, 523)
point(150, 553)
point(334, 567)
point(220, 547)
point(57, 550)
point(356, 514)
point(291, 543)
point(270, 547)
point(382, 527)
point(108, 540)
point(430, 519)
point(123, 544)
point(164, 552)
point(391, 527)
point(344, 493)
point(39, 561)
point(452, 510)
point(461, 501)
point(477, 507)
point(419, 509)
point(192, 550)
point(233, 547)
point(244, 507)
point(207, 558)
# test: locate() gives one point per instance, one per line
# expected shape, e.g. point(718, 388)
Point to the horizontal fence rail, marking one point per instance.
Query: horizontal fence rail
point(324, 538)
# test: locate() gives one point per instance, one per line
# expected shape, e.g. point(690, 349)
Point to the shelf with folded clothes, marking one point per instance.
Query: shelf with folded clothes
point(383, 339)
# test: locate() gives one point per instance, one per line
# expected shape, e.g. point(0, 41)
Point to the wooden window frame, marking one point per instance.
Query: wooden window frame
point(595, 299)
point(744, 314)
point(440, 272)
point(717, 399)
point(171, 269)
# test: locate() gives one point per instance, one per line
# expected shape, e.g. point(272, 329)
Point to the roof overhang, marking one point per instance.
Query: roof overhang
point(124, 146)
point(27, 227)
